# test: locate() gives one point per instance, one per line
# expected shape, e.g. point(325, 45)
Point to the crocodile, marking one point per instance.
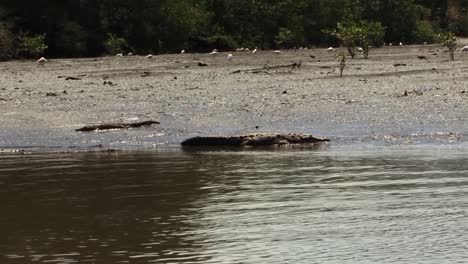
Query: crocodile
point(253, 140)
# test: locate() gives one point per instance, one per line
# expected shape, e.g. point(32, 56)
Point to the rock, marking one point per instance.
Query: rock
point(254, 140)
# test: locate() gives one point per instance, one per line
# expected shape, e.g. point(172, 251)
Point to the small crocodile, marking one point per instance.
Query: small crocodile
point(253, 140)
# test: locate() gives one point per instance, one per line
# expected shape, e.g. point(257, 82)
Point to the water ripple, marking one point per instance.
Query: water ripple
point(372, 206)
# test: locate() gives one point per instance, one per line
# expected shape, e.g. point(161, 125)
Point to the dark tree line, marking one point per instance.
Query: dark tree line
point(73, 28)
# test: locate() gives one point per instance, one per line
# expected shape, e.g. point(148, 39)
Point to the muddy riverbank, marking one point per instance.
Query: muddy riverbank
point(401, 95)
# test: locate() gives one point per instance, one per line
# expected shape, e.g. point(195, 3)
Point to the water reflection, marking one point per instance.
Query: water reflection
point(291, 206)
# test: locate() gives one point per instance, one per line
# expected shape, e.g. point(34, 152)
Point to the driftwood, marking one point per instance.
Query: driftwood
point(116, 126)
point(253, 140)
point(292, 66)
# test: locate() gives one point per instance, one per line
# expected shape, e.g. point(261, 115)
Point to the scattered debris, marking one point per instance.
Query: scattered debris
point(192, 88)
point(108, 126)
point(294, 65)
point(145, 74)
point(414, 92)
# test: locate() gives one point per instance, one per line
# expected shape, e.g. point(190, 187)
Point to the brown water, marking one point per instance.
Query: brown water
point(379, 205)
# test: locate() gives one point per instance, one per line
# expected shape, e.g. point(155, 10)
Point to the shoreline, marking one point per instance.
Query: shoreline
point(393, 98)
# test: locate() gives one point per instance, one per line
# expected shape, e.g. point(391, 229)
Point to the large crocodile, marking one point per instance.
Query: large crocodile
point(252, 140)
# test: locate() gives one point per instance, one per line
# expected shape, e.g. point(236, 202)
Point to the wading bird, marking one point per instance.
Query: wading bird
point(41, 61)
point(464, 50)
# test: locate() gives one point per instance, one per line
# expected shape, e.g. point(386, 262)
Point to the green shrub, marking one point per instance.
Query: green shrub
point(6, 43)
point(115, 44)
point(289, 38)
point(424, 32)
point(33, 46)
point(449, 40)
point(363, 34)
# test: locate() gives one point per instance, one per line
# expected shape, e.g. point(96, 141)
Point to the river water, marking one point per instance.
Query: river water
point(372, 205)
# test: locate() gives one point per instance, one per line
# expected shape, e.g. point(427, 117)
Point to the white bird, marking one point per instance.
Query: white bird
point(360, 49)
point(277, 51)
point(41, 61)
point(390, 44)
point(246, 49)
point(130, 54)
point(119, 55)
point(149, 56)
point(254, 51)
point(229, 56)
point(464, 50)
point(425, 43)
point(182, 51)
point(401, 44)
point(214, 52)
point(331, 49)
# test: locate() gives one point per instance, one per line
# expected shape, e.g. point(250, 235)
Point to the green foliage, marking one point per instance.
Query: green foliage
point(33, 46)
point(349, 37)
point(80, 28)
point(71, 39)
point(204, 44)
point(183, 19)
point(115, 44)
point(363, 34)
point(424, 32)
point(375, 33)
point(460, 27)
point(449, 40)
point(285, 38)
point(6, 43)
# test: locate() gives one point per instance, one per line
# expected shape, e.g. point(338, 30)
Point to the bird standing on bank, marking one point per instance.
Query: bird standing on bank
point(41, 61)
